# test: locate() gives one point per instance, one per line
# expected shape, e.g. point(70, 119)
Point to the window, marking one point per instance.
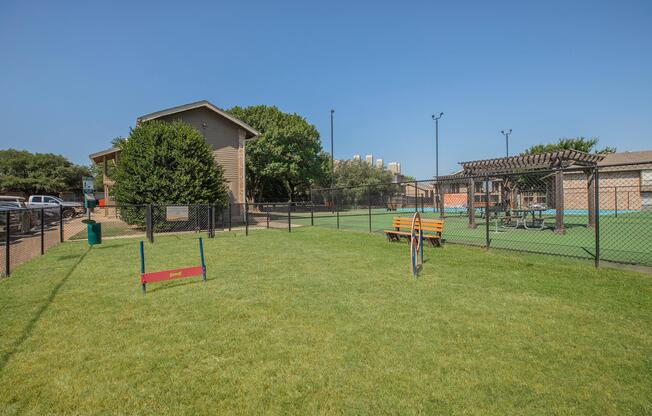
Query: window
point(37, 199)
point(49, 200)
point(646, 178)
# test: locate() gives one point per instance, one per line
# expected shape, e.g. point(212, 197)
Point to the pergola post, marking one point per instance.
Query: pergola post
point(470, 203)
point(559, 201)
point(591, 198)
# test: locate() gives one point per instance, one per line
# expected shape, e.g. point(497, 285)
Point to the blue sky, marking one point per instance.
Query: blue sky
point(73, 75)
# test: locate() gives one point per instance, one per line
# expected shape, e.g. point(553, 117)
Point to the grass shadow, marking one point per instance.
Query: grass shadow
point(112, 246)
point(27, 332)
point(173, 285)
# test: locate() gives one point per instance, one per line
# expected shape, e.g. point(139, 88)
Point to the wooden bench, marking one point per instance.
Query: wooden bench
point(432, 229)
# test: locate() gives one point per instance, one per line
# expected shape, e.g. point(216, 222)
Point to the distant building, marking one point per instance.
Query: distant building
point(369, 159)
point(380, 164)
point(394, 167)
point(356, 157)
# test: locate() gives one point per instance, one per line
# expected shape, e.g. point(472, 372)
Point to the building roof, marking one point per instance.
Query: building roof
point(549, 160)
point(98, 157)
point(627, 161)
point(251, 132)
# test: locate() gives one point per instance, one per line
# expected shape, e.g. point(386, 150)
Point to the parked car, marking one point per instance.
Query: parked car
point(21, 218)
point(70, 209)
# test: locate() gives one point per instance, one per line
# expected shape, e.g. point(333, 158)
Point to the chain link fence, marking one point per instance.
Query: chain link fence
point(26, 233)
point(590, 213)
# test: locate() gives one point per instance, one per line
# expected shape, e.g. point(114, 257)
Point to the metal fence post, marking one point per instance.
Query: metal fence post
point(149, 224)
point(597, 217)
point(246, 217)
point(289, 217)
point(61, 223)
point(229, 209)
point(312, 213)
point(369, 203)
point(616, 200)
point(416, 196)
point(268, 215)
point(337, 213)
point(7, 243)
point(211, 221)
point(42, 230)
point(486, 212)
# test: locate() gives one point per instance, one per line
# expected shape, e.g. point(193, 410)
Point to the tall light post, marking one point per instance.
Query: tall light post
point(436, 118)
point(506, 133)
point(332, 154)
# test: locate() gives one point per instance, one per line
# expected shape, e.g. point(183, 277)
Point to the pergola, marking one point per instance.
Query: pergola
point(555, 162)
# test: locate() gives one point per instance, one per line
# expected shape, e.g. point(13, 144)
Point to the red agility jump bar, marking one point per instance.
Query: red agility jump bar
point(170, 274)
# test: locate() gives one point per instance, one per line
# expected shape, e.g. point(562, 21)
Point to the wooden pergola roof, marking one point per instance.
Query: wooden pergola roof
point(520, 164)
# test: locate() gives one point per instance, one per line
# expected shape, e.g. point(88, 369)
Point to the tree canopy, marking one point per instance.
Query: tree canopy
point(167, 163)
point(586, 145)
point(36, 173)
point(287, 157)
point(350, 173)
point(353, 175)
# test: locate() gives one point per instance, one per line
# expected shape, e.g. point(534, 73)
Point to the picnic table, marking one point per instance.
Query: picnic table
point(527, 218)
point(523, 214)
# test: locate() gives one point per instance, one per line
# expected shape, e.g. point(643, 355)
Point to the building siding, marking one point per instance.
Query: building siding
point(224, 138)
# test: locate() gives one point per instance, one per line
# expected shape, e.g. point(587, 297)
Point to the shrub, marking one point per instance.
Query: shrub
point(166, 163)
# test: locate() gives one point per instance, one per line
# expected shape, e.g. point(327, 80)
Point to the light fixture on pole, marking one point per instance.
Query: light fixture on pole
point(506, 133)
point(436, 118)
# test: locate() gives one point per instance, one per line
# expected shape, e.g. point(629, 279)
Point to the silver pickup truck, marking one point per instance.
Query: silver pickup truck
point(21, 218)
point(69, 209)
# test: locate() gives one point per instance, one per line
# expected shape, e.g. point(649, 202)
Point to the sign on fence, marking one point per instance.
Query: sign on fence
point(176, 213)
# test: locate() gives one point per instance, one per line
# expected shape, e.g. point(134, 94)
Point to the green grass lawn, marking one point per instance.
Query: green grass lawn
point(320, 321)
point(626, 238)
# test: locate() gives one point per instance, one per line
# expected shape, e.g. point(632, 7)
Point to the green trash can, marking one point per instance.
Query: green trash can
point(94, 232)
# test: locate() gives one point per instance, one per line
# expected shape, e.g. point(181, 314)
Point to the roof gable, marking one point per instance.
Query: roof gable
point(251, 132)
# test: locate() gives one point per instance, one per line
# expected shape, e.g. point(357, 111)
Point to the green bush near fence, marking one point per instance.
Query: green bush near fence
point(166, 163)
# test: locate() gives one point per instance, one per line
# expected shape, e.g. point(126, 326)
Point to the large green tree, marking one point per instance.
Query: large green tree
point(287, 155)
point(35, 173)
point(575, 143)
point(352, 176)
point(351, 173)
point(167, 163)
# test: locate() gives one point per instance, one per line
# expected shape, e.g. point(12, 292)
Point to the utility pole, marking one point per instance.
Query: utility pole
point(506, 133)
point(436, 118)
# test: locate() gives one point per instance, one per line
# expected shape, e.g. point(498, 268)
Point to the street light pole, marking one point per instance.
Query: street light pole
point(332, 155)
point(506, 133)
point(436, 118)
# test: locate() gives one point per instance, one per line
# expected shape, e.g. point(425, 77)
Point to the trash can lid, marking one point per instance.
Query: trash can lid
point(89, 221)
